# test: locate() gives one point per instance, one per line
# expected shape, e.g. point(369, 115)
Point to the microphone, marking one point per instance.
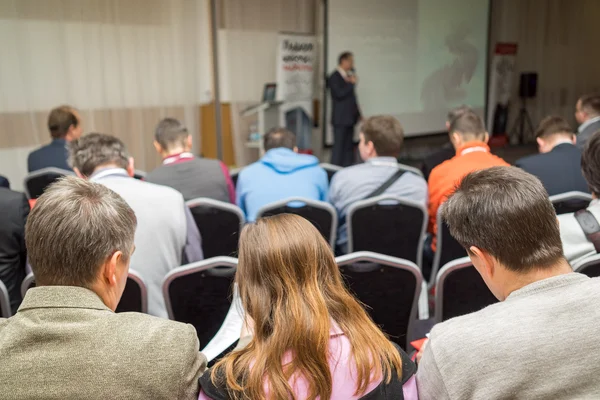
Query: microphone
point(351, 72)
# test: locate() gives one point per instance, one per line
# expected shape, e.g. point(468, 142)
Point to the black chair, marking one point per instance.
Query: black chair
point(387, 225)
point(322, 215)
point(36, 182)
point(460, 290)
point(135, 295)
point(388, 286)
point(330, 169)
point(447, 248)
point(570, 202)
point(200, 294)
point(139, 174)
point(4, 302)
point(134, 298)
point(219, 224)
point(234, 174)
point(589, 266)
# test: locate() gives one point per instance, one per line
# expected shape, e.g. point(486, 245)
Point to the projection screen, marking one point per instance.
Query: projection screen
point(415, 59)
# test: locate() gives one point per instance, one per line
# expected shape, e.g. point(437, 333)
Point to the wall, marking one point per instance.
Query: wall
point(559, 40)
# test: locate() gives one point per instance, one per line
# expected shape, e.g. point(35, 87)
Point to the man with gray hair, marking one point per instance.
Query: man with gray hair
point(192, 176)
point(167, 234)
point(66, 341)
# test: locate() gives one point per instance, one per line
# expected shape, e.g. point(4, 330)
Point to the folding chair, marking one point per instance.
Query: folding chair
point(447, 248)
point(330, 169)
point(570, 202)
point(135, 295)
point(36, 182)
point(589, 266)
point(4, 302)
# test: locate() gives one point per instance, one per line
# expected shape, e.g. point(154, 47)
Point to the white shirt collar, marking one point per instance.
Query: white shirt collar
point(587, 123)
point(342, 72)
point(104, 172)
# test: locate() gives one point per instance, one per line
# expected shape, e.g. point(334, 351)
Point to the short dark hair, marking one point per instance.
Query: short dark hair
point(468, 125)
point(344, 56)
point(170, 132)
point(386, 133)
point(456, 112)
point(506, 212)
point(95, 149)
point(590, 103)
point(279, 137)
point(73, 229)
point(590, 162)
point(553, 125)
point(60, 120)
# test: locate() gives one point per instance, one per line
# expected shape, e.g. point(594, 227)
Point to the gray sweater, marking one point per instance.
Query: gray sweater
point(540, 343)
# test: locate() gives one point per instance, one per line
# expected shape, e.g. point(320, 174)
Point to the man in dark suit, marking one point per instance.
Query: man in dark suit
point(345, 113)
point(558, 165)
point(4, 182)
point(587, 114)
point(64, 125)
point(15, 209)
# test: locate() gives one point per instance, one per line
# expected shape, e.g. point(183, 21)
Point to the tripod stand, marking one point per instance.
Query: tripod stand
point(522, 122)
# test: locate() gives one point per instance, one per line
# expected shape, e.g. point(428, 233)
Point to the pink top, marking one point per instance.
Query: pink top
point(343, 373)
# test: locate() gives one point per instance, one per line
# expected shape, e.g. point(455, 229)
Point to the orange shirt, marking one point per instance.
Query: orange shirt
point(443, 179)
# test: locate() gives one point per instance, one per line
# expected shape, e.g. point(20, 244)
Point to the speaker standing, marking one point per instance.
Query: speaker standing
point(345, 113)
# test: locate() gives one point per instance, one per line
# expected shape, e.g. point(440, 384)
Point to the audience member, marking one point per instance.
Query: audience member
point(469, 138)
point(381, 140)
point(328, 345)
point(587, 114)
point(4, 182)
point(13, 255)
point(66, 342)
point(281, 173)
point(166, 230)
point(558, 165)
point(447, 151)
point(578, 244)
point(192, 176)
point(64, 124)
point(540, 341)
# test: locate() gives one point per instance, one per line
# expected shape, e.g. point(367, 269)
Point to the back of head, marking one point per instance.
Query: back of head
point(590, 163)
point(590, 104)
point(95, 150)
point(469, 126)
point(72, 230)
point(279, 137)
point(60, 120)
point(171, 133)
point(553, 126)
point(344, 56)
point(291, 287)
point(457, 112)
point(386, 133)
point(505, 212)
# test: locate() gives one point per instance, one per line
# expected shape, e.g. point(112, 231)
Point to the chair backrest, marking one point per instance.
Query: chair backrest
point(219, 224)
point(134, 298)
point(322, 215)
point(460, 290)
point(388, 286)
point(36, 182)
point(387, 225)
point(408, 168)
point(447, 248)
point(200, 294)
point(589, 266)
point(4, 302)
point(330, 169)
point(570, 202)
point(234, 174)
point(135, 295)
point(139, 174)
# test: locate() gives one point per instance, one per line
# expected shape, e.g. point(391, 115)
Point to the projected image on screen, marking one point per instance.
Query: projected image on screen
point(415, 59)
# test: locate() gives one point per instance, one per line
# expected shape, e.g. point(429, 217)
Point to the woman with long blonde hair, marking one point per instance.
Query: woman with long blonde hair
point(310, 338)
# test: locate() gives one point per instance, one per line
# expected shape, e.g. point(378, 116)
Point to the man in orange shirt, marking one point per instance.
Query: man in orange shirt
point(469, 138)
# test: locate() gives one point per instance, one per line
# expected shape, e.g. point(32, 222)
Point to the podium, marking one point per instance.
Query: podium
point(268, 117)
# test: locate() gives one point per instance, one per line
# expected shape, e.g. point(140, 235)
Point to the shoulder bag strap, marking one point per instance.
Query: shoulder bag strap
point(385, 185)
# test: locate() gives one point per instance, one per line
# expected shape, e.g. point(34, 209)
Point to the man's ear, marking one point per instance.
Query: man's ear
point(189, 142)
point(131, 167)
point(540, 142)
point(157, 147)
point(109, 269)
point(295, 149)
point(482, 261)
point(78, 173)
point(486, 138)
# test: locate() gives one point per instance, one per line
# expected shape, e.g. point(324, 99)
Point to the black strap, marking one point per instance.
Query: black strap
point(590, 226)
point(385, 185)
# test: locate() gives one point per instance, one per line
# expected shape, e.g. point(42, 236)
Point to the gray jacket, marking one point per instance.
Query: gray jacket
point(586, 130)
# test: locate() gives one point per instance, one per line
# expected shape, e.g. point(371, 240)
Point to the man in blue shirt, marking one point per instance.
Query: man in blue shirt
point(64, 124)
point(281, 173)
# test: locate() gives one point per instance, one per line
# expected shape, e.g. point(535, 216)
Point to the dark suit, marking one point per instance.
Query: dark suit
point(4, 182)
point(15, 209)
point(344, 115)
point(586, 134)
point(436, 158)
point(54, 155)
point(559, 170)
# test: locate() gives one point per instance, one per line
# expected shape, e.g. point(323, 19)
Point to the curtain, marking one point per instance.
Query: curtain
point(125, 64)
